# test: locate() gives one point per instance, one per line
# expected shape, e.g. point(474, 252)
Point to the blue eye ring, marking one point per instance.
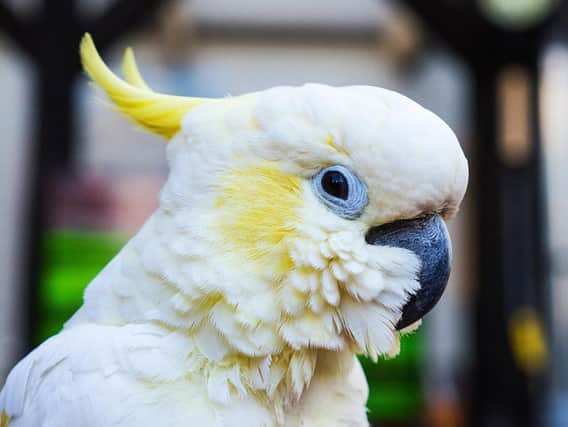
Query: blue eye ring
point(341, 191)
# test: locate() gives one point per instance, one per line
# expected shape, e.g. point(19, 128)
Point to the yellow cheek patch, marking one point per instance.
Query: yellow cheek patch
point(257, 211)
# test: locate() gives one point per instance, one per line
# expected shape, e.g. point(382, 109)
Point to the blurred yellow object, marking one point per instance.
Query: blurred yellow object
point(4, 419)
point(528, 340)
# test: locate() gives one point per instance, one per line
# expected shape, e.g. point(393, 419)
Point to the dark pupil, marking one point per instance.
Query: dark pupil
point(335, 184)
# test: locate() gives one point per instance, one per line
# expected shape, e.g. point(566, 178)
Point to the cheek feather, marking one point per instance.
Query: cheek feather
point(257, 210)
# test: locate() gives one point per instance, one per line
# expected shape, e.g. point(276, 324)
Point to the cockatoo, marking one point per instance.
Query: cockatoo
point(298, 227)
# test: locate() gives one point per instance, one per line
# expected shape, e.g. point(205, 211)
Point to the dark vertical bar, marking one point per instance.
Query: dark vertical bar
point(53, 137)
point(489, 339)
point(511, 273)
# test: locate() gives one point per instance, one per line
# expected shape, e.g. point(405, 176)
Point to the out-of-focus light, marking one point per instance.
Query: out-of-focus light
point(517, 14)
point(514, 115)
point(528, 340)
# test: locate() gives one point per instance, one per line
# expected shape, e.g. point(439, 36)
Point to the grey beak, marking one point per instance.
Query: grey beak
point(428, 238)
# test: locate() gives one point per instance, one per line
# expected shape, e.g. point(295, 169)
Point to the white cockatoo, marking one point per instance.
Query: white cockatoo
point(298, 227)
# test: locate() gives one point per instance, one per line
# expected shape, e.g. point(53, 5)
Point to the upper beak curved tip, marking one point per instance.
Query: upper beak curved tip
point(428, 238)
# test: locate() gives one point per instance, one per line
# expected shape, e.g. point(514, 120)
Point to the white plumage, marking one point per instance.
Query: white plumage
point(243, 300)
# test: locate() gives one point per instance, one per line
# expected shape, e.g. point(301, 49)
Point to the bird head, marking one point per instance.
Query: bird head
point(307, 217)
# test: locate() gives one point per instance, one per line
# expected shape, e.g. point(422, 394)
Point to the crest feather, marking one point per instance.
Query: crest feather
point(130, 70)
point(158, 113)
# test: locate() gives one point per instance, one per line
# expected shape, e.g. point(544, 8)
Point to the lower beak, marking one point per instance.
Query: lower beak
point(428, 238)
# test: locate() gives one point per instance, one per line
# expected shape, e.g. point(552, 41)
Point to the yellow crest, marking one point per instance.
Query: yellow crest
point(158, 113)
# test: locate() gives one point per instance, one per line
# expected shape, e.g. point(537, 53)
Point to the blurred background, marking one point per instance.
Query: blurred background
point(76, 179)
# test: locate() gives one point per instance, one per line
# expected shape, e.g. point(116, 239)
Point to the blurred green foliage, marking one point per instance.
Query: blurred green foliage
point(395, 385)
point(73, 258)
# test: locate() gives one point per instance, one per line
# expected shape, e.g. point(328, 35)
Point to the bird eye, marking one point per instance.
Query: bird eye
point(335, 184)
point(341, 191)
